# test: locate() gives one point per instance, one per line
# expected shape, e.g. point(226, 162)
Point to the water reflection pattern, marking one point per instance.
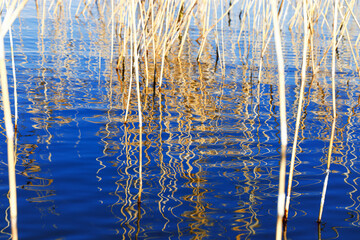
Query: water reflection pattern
point(210, 141)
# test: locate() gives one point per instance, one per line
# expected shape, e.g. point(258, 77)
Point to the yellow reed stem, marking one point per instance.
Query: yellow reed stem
point(334, 111)
point(137, 80)
point(112, 31)
point(10, 142)
point(299, 111)
point(164, 47)
point(282, 173)
point(43, 18)
point(140, 166)
point(14, 77)
point(13, 72)
point(11, 15)
point(209, 29)
point(70, 7)
point(5, 26)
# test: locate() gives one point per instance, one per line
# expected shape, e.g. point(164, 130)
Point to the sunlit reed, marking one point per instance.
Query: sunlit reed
point(43, 17)
point(10, 142)
point(283, 124)
point(300, 109)
point(13, 74)
point(147, 38)
point(333, 68)
point(12, 12)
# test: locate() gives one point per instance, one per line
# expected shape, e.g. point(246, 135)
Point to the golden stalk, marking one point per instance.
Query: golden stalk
point(43, 18)
point(186, 16)
point(208, 30)
point(264, 44)
point(164, 47)
point(137, 80)
point(112, 31)
point(339, 31)
point(160, 26)
point(281, 72)
point(10, 16)
point(14, 77)
point(77, 10)
point(324, 15)
point(70, 7)
point(145, 36)
point(294, 17)
point(334, 111)
point(347, 32)
point(222, 42)
point(10, 142)
point(285, 14)
point(130, 85)
point(352, 13)
point(299, 111)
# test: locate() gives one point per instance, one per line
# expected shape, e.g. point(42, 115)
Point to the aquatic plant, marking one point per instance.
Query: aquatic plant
point(147, 37)
point(12, 11)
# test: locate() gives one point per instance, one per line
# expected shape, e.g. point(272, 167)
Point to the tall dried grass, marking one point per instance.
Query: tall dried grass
point(12, 11)
point(145, 33)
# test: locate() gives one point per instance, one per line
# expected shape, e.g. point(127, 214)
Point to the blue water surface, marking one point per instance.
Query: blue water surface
point(210, 141)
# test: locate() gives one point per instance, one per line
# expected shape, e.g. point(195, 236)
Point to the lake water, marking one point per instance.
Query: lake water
point(210, 140)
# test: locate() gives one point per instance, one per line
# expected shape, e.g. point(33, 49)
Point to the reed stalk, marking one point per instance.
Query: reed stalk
point(319, 230)
point(145, 35)
point(209, 29)
point(70, 2)
point(14, 78)
point(10, 142)
point(137, 80)
point(299, 110)
point(283, 126)
point(129, 92)
point(112, 32)
point(166, 21)
point(334, 45)
point(345, 20)
point(12, 13)
point(43, 18)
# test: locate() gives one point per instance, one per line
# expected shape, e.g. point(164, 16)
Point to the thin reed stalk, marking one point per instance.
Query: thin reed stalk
point(10, 142)
point(43, 18)
point(11, 14)
point(14, 78)
point(299, 111)
point(281, 72)
point(334, 45)
point(137, 80)
point(112, 32)
point(140, 166)
point(319, 231)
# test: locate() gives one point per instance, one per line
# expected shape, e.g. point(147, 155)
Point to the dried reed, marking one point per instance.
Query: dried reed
point(12, 12)
point(147, 31)
point(299, 111)
point(333, 68)
point(283, 126)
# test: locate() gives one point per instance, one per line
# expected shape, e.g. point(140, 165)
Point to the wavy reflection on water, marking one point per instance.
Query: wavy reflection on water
point(210, 141)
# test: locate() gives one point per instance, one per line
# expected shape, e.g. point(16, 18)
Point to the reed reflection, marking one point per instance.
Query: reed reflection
point(50, 87)
point(210, 135)
point(180, 131)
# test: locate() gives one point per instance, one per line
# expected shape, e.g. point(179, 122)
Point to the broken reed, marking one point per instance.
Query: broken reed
point(147, 31)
